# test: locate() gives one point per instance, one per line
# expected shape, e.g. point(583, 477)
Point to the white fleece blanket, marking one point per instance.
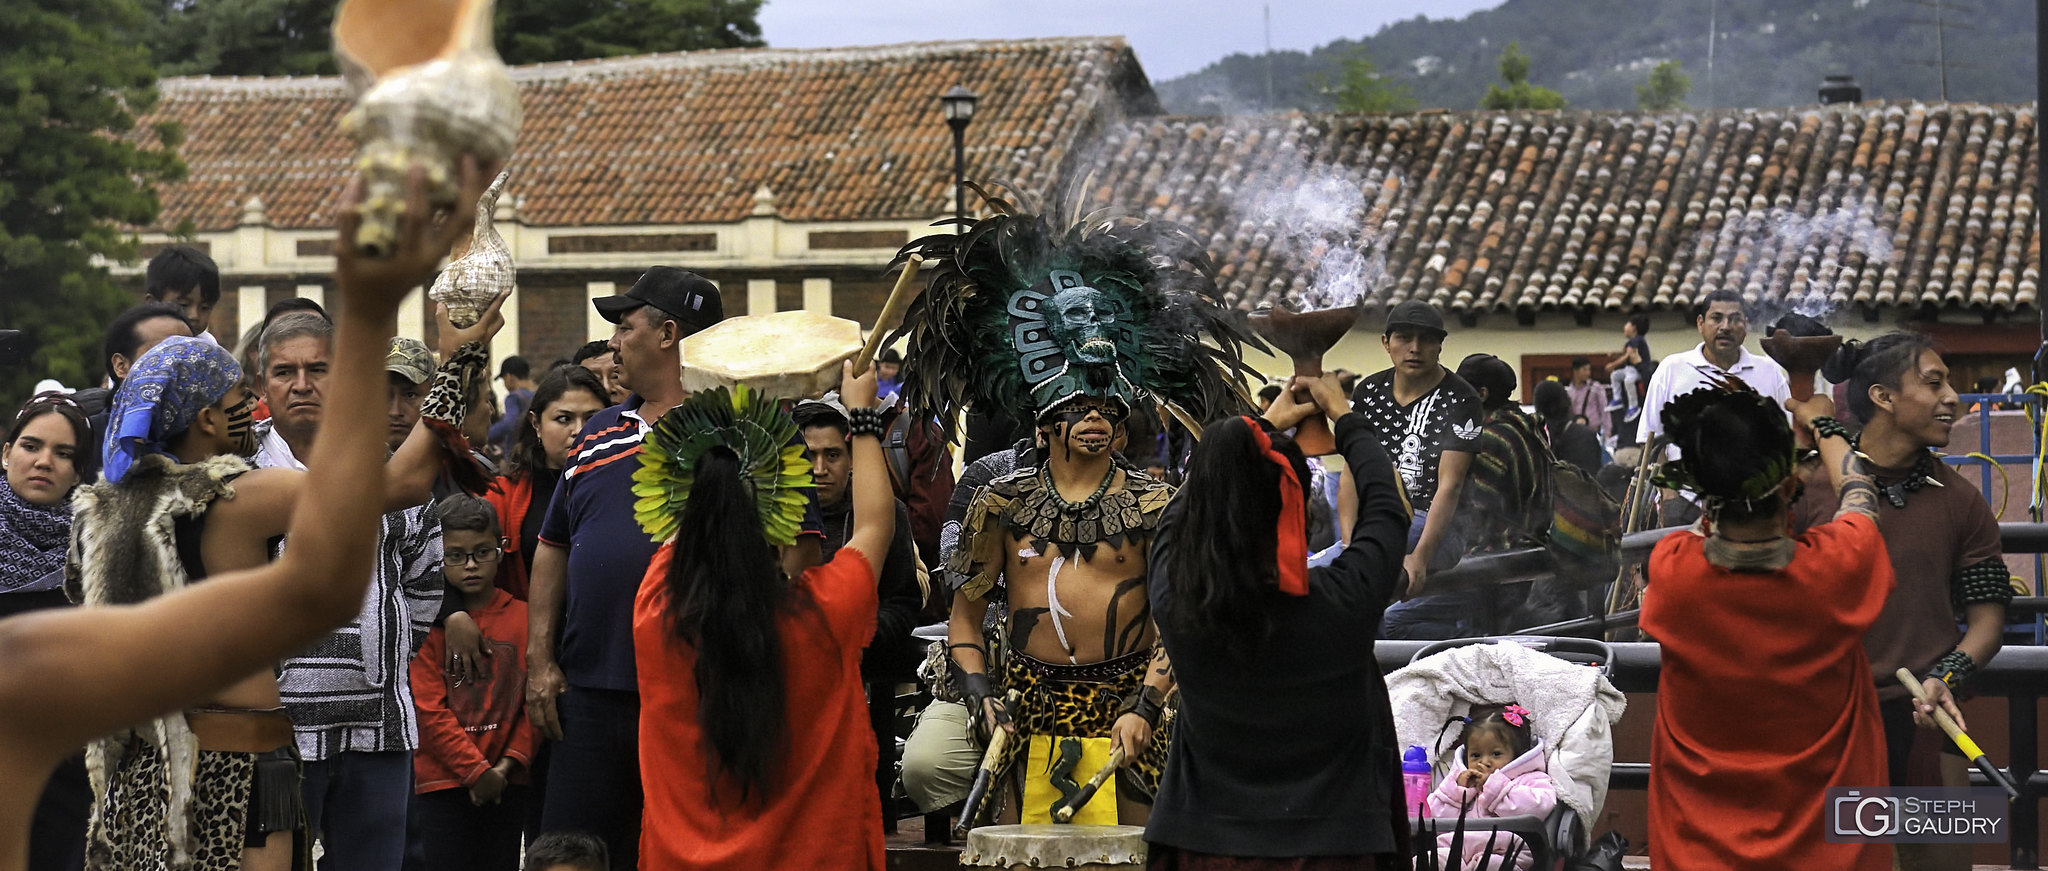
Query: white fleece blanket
point(1573, 707)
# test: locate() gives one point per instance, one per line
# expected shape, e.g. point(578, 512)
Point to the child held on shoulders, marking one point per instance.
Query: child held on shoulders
point(475, 740)
point(1499, 772)
point(1625, 371)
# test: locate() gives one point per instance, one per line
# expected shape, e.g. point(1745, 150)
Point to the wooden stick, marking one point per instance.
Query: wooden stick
point(985, 773)
point(1066, 812)
point(892, 313)
point(1955, 733)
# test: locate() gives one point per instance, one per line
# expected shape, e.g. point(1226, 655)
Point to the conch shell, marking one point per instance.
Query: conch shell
point(480, 272)
point(429, 88)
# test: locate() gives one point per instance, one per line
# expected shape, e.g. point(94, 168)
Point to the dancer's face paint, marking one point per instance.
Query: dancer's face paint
point(242, 423)
point(1086, 426)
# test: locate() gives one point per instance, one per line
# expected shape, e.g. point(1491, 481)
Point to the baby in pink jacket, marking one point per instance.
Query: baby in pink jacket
point(1500, 773)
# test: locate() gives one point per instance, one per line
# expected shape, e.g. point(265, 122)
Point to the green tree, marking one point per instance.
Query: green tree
point(1519, 94)
point(293, 37)
point(75, 176)
point(1362, 88)
point(243, 37)
point(532, 31)
point(1665, 89)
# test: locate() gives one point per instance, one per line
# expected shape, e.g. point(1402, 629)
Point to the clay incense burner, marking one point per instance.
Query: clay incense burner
point(1800, 344)
point(1305, 337)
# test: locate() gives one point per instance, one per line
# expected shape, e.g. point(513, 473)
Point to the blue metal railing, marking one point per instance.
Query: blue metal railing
point(2012, 470)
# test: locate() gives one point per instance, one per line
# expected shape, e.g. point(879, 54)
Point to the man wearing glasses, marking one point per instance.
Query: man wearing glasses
point(1723, 328)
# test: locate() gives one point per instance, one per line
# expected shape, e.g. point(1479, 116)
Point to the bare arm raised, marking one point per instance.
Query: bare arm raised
point(77, 673)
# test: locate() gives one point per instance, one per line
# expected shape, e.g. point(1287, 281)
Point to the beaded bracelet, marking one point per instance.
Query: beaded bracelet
point(1954, 669)
point(1828, 427)
point(863, 421)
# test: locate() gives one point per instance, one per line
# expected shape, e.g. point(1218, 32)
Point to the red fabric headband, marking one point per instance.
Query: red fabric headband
point(1291, 530)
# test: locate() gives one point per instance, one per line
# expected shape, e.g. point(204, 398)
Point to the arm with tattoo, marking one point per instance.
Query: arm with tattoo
point(1854, 488)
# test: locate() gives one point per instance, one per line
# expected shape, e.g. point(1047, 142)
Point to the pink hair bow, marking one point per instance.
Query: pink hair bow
point(1515, 715)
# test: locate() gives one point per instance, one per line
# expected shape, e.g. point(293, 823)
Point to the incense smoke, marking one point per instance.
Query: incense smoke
point(1317, 217)
point(1804, 255)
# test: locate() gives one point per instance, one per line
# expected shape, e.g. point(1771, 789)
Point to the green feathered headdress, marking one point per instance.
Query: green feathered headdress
point(1683, 418)
point(1022, 313)
point(744, 421)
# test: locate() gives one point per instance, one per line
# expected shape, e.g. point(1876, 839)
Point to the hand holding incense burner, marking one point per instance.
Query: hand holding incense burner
point(1800, 344)
point(1305, 337)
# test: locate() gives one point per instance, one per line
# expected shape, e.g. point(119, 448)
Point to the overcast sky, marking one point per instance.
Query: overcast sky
point(1171, 38)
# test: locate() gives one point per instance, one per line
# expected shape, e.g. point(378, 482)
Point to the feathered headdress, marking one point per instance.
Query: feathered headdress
point(741, 420)
point(1683, 417)
point(1021, 313)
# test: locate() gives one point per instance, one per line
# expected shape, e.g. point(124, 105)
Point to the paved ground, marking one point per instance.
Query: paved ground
point(908, 852)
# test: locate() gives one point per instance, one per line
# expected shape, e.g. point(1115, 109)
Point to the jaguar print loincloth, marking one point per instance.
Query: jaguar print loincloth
point(129, 833)
point(1082, 701)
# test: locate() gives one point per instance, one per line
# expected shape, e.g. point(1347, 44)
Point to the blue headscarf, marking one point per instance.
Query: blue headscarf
point(163, 393)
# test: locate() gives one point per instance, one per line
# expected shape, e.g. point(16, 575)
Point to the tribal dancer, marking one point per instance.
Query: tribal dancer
point(209, 787)
point(1757, 621)
point(1070, 325)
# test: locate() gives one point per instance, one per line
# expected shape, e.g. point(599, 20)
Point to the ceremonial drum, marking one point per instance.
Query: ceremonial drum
point(1097, 847)
point(789, 355)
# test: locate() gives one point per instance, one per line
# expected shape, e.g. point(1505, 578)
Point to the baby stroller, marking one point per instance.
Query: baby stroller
point(1564, 684)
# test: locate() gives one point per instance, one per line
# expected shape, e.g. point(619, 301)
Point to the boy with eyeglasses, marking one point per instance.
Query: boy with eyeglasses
point(475, 739)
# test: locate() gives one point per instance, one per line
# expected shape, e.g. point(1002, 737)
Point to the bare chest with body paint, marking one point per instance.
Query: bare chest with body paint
point(1103, 612)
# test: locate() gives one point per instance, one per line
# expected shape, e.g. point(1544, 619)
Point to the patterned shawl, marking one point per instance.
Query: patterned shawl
point(33, 539)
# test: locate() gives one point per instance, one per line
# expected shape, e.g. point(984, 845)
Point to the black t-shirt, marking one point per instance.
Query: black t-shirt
point(1447, 418)
point(1643, 358)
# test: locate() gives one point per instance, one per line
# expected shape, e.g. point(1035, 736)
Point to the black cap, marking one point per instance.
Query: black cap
point(1416, 314)
point(685, 296)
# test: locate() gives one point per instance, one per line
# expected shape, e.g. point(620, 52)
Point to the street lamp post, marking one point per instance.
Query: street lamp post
point(958, 104)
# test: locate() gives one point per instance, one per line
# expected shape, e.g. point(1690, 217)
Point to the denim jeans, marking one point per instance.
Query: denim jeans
point(357, 803)
point(1434, 616)
point(594, 772)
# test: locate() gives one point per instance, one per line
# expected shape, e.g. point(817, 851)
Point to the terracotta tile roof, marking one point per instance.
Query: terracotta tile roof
point(837, 134)
point(1880, 205)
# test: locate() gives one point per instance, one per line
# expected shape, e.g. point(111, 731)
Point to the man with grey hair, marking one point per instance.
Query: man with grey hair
point(349, 696)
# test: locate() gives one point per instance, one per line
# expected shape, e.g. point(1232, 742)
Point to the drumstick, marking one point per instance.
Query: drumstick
point(1963, 742)
point(971, 806)
point(1066, 812)
point(892, 311)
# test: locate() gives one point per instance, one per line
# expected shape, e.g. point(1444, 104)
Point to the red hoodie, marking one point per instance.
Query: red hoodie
point(465, 729)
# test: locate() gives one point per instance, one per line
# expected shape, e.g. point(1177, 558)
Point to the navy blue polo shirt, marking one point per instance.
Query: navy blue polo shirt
point(592, 516)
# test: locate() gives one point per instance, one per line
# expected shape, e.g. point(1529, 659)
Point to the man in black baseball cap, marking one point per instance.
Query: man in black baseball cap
point(686, 297)
point(581, 687)
point(1427, 419)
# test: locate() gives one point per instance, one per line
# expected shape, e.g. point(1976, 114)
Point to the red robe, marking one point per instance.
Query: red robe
point(1764, 702)
point(822, 810)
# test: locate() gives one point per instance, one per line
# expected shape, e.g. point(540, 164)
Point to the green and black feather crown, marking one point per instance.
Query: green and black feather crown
point(1022, 313)
point(1700, 424)
point(750, 424)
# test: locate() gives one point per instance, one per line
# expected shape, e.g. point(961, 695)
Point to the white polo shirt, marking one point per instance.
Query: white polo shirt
point(1686, 371)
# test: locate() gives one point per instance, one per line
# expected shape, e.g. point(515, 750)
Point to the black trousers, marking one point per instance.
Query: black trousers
point(594, 772)
point(459, 836)
point(56, 838)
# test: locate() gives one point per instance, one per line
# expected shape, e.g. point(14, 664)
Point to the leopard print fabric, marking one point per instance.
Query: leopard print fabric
point(1082, 701)
point(129, 833)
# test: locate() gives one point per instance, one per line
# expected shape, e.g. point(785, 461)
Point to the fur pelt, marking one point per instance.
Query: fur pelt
point(124, 551)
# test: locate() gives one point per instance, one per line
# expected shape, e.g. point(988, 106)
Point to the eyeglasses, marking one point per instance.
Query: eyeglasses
point(480, 556)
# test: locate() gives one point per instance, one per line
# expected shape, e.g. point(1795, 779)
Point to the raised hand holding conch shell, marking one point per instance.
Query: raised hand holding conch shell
point(430, 88)
point(480, 271)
